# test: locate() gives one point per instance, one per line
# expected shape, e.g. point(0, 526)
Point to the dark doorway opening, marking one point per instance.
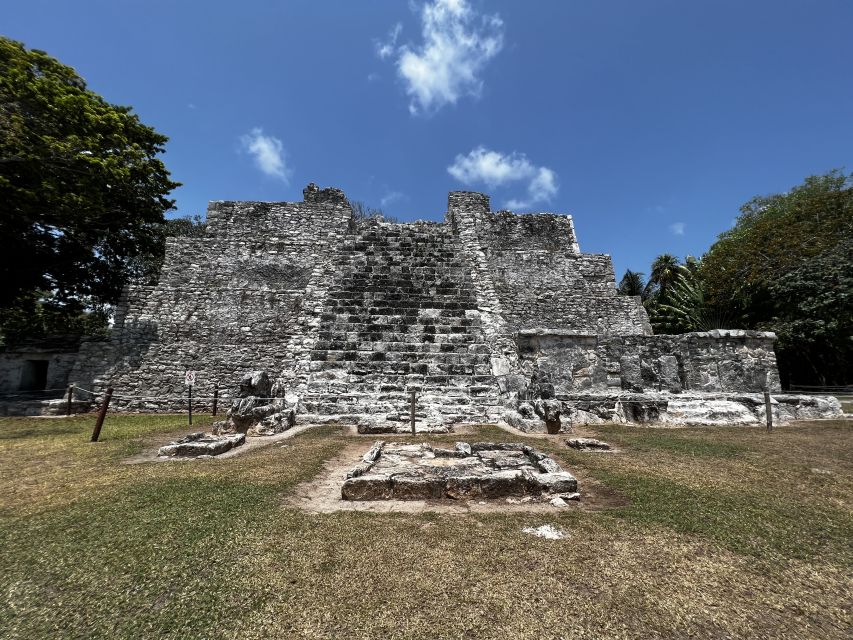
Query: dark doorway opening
point(34, 375)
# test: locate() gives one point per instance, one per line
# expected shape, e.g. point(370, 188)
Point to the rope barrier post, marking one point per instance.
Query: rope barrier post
point(412, 411)
point(215, 396)
point(769, 410)
point(70, 398)
point(190, 393)
point(102, 414)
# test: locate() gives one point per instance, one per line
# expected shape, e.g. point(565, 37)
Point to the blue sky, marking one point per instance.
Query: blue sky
point(650, 121)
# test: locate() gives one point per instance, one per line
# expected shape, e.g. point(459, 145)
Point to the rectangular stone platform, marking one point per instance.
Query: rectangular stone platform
point(391, 471)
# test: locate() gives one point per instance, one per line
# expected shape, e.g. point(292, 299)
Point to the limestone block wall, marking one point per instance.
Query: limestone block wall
point(520, 270)
point(506, 231)
point(228, 303)
point(604, 315)
point(540, 277)
point(716, 361)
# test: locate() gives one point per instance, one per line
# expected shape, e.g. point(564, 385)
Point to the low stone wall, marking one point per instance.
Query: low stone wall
point(716, 361)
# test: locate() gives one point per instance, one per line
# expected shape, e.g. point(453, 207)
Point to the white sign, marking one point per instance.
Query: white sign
point(189, 378)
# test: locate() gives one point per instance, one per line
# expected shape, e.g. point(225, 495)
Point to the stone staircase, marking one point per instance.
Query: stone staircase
point(401, 316)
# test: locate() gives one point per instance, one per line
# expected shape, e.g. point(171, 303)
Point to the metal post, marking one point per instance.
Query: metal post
point(769, 410)
point(102, 414)
point(190, 392)
point(70, 398)
point(412, 411)
point(215, 396)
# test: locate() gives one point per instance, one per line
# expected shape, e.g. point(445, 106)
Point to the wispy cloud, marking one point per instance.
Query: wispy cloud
point(457, 44)
point(391, 197)
point(386, 48)
point(495, 169)
point(677, 228)
point(268, 153)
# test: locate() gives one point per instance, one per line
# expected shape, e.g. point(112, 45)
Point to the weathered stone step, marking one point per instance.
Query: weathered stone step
point(332, 355)
point(415, 326)
point(378, 369)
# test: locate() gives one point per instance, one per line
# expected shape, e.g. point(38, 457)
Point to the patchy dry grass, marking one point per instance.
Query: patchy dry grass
point(730, 532)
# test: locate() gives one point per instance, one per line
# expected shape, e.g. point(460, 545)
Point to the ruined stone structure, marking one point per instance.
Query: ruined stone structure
point(487, 315)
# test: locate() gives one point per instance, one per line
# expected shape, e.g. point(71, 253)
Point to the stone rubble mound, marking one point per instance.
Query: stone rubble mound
point(479, 470)
point(256, 411)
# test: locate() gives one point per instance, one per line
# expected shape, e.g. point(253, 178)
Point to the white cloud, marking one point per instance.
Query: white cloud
point(677, 228)
point(390, 198)
point(496, 169)
point(267, 151)
point(457, 44)
point(387, 48)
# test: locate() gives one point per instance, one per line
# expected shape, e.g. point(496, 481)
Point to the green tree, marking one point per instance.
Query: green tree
point(787, 266)
point(663, 275)
point(82, 189)
point(40, 313)
point(632, 284)
point(687, 307)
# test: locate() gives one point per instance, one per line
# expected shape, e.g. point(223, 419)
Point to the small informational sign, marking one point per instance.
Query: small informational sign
point(189, 378)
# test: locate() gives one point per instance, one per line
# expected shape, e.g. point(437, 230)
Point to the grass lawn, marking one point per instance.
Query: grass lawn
point(725, 533)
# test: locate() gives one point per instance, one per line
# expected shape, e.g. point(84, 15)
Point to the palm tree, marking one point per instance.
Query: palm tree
point(686, 307)
point(664, 275)
point(632, 284)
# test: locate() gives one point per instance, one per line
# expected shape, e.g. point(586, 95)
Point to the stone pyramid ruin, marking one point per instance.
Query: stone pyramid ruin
point(486, 316)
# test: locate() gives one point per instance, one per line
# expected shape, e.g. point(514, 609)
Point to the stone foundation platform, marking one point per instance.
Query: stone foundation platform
point(476, 470)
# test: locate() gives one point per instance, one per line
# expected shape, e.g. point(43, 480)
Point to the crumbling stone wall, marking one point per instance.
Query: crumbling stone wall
point(716, 361)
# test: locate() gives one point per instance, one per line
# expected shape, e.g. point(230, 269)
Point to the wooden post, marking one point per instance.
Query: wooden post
point(102, 414)
point(70, 398)
point(412, 411)
point(215, 396)
point(190, 392)
point(769, 410)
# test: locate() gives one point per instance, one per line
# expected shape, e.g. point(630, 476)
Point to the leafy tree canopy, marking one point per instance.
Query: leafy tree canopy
point(777, 234)
point(787, 266)
point(82, 189)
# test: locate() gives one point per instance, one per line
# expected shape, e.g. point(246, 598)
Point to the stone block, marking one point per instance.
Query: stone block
point(562, 482)
point(367, 487)
point(417, 488)
point(503, 483)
